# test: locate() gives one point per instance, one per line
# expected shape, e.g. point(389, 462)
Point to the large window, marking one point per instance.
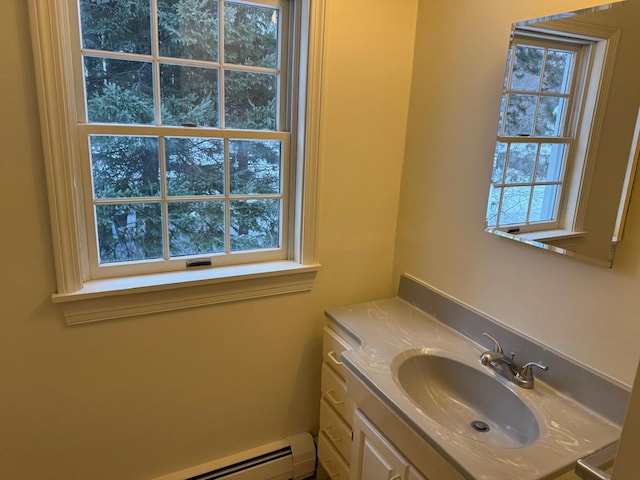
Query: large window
point(185, 129)
point(179, 136)
point(541, 104)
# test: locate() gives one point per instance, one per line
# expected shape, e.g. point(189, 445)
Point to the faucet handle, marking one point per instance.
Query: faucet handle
point(498, 347)
point(524, 377)
point(528, 366)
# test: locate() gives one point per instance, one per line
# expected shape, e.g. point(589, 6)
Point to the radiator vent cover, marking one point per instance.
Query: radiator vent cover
point(249, 464)
point(293, 458)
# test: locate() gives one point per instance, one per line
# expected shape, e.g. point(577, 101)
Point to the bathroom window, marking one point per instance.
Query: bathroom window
point(186, 140)
point(184, 133)
point(547, 115)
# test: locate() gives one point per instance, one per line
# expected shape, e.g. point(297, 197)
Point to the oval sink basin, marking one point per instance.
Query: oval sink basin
point(466, 400)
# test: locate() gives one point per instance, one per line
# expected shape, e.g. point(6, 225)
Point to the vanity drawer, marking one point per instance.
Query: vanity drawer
point(332, 346)
point(338, 432)
point(334, 390)
point(330, 459)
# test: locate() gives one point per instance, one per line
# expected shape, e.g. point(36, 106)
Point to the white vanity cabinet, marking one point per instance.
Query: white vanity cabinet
point(374, 457)
point(336, 407)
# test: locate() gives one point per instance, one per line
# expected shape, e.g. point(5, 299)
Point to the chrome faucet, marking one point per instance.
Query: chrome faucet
point(505, 365)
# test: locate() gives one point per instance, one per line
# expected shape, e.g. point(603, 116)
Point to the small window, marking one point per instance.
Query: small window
point(539, 117)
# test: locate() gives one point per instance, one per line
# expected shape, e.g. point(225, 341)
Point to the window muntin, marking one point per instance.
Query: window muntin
point(536, 133)
point(186, 131)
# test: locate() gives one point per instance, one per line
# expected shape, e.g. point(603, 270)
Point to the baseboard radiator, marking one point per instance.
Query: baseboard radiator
point(293, 458)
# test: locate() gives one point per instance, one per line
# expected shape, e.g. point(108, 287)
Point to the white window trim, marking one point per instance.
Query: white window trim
point(593, 111)
point(85, 300)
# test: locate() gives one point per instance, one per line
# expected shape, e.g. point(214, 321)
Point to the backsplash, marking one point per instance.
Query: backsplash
point(592, 389)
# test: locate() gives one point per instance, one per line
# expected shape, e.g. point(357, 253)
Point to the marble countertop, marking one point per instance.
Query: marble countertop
point(389, 328)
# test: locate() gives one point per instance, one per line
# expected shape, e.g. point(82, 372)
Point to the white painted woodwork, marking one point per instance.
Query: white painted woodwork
point(372, 456)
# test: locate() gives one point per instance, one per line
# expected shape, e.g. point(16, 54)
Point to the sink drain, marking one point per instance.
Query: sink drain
point(480, 426)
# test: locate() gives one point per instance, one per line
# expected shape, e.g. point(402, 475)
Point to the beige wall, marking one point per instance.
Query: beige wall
point(137, 398)
point(588, 312)
point(626, 463)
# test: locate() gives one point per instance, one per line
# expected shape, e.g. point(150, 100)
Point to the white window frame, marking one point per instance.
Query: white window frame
point(84, 298)
point(566, 135)
point(282, 133)
point(599, 50)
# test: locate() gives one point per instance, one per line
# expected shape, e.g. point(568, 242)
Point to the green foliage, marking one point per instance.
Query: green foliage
point(189, 95)
point(196, 228)
point(116, 25)
point(125, 167)
point(195, 166)
point(251, 35)
point(115, 104)
point(254, 224)
point(129, 232)
point(188, 29)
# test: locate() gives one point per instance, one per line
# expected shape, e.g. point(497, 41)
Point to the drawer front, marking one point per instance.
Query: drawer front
point(336, 430)
point(332, 346)
point(331, 460)
point(334, 390)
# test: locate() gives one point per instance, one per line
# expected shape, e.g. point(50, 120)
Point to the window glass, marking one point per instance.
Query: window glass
point(188, 29)
point(217, 189)
point(251, 35)
point(189, 95)
point(520, 116)
point(254, 166)
point(129, 231)
point(119, 91)
point(255, 224)
point(530, 156)
point(124, 166)
point(550, 162)
point(196, 228)
point(116, 26)
point(195, 166)
point(250, 100)
point(515, 204)
point(527, 67)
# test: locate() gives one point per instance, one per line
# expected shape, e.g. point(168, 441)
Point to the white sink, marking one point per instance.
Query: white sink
point(466, 400)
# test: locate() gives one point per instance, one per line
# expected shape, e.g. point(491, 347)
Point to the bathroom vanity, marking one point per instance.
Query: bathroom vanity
point(411, 387)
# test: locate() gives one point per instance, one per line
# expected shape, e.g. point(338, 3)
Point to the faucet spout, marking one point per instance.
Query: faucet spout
point(491, 358)
point(500, 363)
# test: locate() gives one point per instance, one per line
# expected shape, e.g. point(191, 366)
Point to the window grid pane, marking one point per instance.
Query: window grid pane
point(528, 189)
point(216, 200)
point(184, 195)
point(530, 156)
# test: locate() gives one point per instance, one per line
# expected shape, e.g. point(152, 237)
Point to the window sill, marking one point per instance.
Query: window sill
point(139, 295)
point(549, 235)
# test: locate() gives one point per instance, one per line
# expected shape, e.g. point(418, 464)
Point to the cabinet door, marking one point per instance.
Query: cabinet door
point(372, 456)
